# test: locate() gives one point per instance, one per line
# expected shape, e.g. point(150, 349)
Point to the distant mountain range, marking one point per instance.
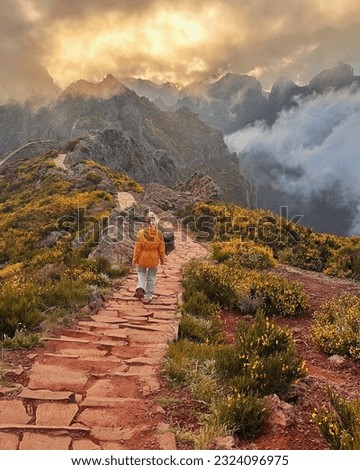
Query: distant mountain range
point(159, 132)
point(109, 123)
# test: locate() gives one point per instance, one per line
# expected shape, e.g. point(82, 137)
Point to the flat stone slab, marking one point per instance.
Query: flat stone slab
point(108, 343)
point(8, 441)
point(90, 324)
point(149, 385)
point(85, 352)
point(121, 434)
point(108, 313)
point(56, 378)
point(142, 361)
point(118, 387)
point(13, 412)
point(141, 370)
point(120, 334)
point(107, 319)
point(68, 339)
point(84, 444)
point(164, 316)
point(167, 441)
point(6, 390)
point(168, 301)
point(163, 328)
point(55, 429)
point(149, 337)
point(55, 414)
point(47, 395)
point(35, 441)
point(164, 308)
point(108, 402)
point(127, 352)
point(143, 313)
point(106, 418)
point(61, 356)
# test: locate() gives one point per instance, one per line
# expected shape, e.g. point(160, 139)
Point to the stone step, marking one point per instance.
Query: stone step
point(34, 427)
point(166, 308)
point(142, 361)
point(110, 402)
point(118, 334)
point(163, 328)
point(162, 315)
point(80, 358)
point(90, 324)
point(105, 319)
point(108, 312)
point(139, 312)
point(66, 339)
point(47, 395)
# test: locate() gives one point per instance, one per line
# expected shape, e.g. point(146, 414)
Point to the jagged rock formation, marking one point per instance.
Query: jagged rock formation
point(200, 187)
point(340, 76)
point(114, 149)
point(168, 92)
point(129, 133)
point(228, 104)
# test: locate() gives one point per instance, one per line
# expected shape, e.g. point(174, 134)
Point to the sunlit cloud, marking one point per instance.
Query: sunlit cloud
point(170, 40)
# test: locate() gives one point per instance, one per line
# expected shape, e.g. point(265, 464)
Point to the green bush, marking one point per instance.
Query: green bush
point(19, 303)
point(213, 281)
point(22, 340)
point(279, 296)
point(233, 287)
point(201, 330)
point(309, 255)
point(263, 360)
point(183, 356)
point(64, 293)
point(243, 415)
point(198, 305)
point(339, 423)
point(247, 255)
point(336, 326)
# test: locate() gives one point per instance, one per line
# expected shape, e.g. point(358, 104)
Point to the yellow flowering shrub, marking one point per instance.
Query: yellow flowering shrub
point(290, 243)
point(121, 181)
point(279, 296)
point(243, 415)
point(264, 359)
point(11, 270)
point(247, 255)
point(42, 274)
point(336, 326)
point(339, 422)
point(233, 287)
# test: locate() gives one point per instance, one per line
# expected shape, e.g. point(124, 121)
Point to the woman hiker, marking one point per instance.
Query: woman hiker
point(149, 250)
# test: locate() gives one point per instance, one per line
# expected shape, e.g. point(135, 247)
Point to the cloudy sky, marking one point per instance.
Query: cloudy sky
point(171, 40)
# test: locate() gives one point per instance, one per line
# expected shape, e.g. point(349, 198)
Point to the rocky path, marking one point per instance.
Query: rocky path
point(60, 161)
point(91, 387)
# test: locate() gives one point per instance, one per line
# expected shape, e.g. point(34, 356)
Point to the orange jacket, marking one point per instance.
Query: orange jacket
point(149, 248)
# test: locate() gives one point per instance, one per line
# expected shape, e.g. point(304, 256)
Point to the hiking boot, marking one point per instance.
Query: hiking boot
point(139, 293)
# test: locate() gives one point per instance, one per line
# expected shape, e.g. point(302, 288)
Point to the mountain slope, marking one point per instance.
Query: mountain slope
point(169, 145)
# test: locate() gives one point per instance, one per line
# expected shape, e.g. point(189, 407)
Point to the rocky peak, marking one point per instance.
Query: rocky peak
point(201, 187)
point(108, 87)
point(230, 85)
point(340, 76)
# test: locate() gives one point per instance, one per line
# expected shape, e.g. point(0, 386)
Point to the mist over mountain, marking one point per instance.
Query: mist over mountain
point(297, 142)
point(309, 159)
